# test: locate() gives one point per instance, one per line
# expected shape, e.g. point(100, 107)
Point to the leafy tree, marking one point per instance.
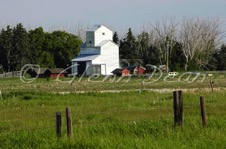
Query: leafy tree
point(65, 47)
point(19, 47)
point(46, 59)
point(36, 41)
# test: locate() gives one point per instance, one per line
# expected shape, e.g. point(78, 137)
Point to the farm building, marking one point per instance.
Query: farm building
point(127, 71)
point(47, 72)
point(136, 69)
point(121, 72)
point(54, 72)
point(98, 55)
point(40, 73)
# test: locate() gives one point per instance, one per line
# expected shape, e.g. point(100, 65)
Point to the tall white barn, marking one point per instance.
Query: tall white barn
point(98, 55)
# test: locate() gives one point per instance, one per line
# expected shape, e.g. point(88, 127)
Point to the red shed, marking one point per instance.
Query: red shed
point(136, 69)
point(121, 72)
point(57, 71)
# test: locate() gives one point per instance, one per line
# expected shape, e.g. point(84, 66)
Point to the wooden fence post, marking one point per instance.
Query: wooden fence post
point(203, 110)
point(180, 96)
point(178, 108)
point(69, 123)
point(175, 107)
point(58, 124)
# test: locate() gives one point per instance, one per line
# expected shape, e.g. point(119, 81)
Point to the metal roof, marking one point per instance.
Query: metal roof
point(95, 27)
point(57, 70)
point(85, 57)
point(102, 43)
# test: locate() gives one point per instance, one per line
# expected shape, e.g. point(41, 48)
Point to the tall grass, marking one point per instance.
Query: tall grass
point(111, 120)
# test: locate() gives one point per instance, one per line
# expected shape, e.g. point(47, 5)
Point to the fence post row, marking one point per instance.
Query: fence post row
point(203, 110)
point(69, 123)
point(58, 124)
point(178, 108)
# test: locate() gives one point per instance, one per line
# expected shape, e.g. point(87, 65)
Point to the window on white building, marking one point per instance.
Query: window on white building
point(96, 69)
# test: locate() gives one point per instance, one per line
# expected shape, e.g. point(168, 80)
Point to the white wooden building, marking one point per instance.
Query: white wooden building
point(98, 55)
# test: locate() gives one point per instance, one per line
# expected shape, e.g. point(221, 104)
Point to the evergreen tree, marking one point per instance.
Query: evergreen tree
point(115, 38)
point(144, 47)
point(6, 48)
point(176, 58)
point(221, 58)
point(128, 47)
point(21, 52)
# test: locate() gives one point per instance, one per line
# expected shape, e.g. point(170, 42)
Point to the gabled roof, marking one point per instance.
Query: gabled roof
point(117, 70)
point(85, 57)
point(96, 27)
point(131, 68)
point(39, 71)
point(57, 70)
point(102, 43)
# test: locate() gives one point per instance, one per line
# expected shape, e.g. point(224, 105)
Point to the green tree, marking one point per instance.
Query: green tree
point(65, 47)
point(46, 55)
point(6, 48)
point(129, 48)
point(176, 58)
point(220, 56)
point(46, 59)
point(36, 42)
point(115, 38)
point(21, 52)
point(143, 46)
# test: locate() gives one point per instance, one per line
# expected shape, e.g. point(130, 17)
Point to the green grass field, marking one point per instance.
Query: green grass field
point(134, 118)
point(151, 82)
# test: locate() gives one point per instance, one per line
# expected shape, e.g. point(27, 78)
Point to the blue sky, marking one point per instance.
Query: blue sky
point(117, 14)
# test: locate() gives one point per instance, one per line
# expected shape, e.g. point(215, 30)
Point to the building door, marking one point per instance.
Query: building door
point(81, 68)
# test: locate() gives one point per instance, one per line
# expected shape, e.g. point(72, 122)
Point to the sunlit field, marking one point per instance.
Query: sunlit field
point(110, 114)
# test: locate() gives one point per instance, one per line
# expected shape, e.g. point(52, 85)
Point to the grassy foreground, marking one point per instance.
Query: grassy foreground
point(110, 120)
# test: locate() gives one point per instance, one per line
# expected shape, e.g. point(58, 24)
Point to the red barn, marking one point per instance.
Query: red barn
point(54, 72)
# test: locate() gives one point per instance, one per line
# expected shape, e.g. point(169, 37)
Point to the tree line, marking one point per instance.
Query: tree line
point(192, 44)
point(19, 47)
